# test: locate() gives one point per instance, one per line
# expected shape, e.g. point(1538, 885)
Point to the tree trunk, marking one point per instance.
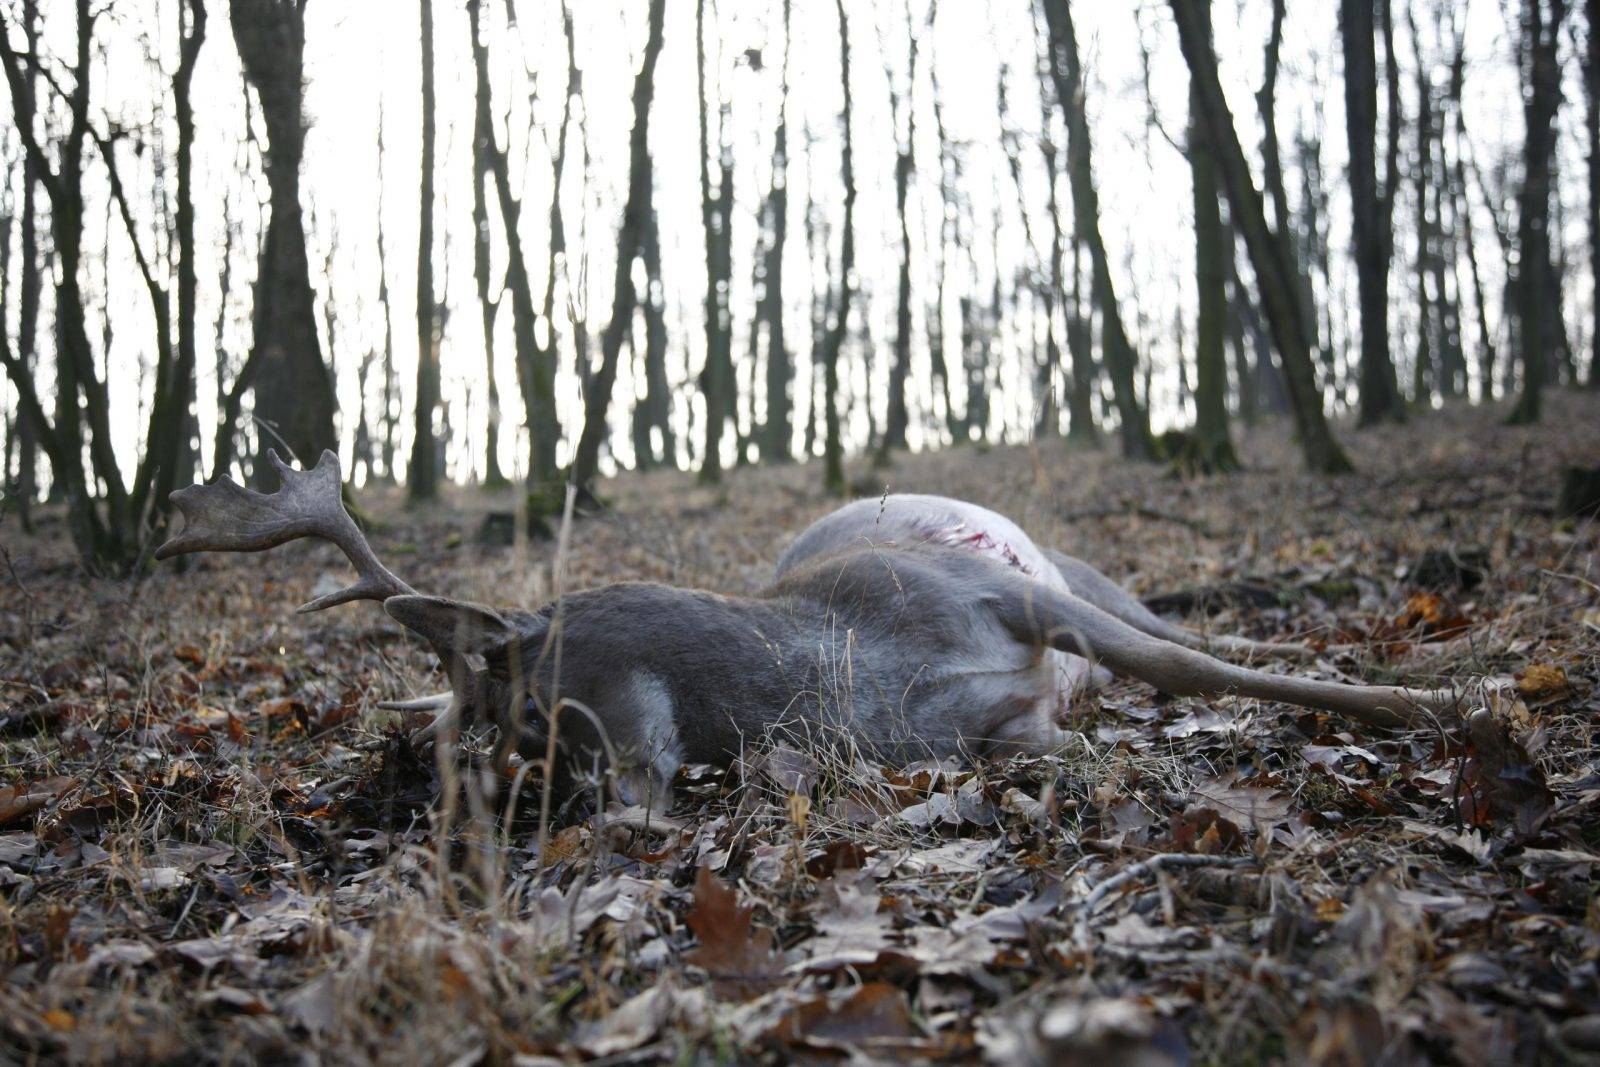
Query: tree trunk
point(1555, 288)
point(13, 417)
point(1312, 247)
point(187, 451)
point(1269, 258)
point(1424, 372)
point(170, 446)
point(390, 419)
point(482, 172)
point(537, 367)
point(1272, 167)
point(780, 369)
point(1446, 261)
point(104, 542)
point(1370, 212)
point(1461, 198)
point(1538, 310)
point(1121, 361)
point(30, 282)
point(897, 418)
point(716, 219)
point(1081, 428)
point(821, 300)
point(833, 443)
point(657, 406)
point(1591, 87)
point(535, 362)
point(1043, 284)
point(937, 359)
point(292, 384)
point(1242, 372)
point(586, 462)
point(1209, 447)
point(423, 470)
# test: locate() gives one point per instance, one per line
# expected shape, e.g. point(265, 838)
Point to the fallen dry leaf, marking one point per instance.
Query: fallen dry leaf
point(1246, 805)
point(1544, 682)
point(738, 957)
point(17, 802)
point(874, 1017)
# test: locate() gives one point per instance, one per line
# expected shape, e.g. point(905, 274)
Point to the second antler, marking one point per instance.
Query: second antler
point(226, 517)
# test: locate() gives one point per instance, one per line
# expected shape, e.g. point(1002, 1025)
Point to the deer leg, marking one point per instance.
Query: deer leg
point(1036, 614)
point(1031, 733)
point(1095, 588)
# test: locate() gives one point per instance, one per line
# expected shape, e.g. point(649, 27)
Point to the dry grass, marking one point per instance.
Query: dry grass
point(228, 855)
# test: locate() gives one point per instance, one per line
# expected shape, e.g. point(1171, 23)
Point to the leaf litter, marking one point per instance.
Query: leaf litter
point(214, 845)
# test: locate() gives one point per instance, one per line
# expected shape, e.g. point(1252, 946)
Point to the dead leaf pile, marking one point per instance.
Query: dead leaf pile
point(214, 846)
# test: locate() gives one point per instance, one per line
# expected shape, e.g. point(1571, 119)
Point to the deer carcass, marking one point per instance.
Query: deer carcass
point(907, 627)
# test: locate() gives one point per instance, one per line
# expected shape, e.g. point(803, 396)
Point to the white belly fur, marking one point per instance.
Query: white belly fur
point(988, 533)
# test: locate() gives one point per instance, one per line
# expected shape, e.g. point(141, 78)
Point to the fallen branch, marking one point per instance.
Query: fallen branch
point(1080, 922)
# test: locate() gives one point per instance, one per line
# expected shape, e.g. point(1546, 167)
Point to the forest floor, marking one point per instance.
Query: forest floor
point(215, 846)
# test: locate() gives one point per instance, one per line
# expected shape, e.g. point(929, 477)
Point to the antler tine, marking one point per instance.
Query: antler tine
point(226, 517)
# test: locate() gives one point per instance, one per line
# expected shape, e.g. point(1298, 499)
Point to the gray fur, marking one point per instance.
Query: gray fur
point(902, 627)
point(906, 627)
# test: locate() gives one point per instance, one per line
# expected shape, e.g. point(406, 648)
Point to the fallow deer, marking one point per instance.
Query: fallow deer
point(907, 626)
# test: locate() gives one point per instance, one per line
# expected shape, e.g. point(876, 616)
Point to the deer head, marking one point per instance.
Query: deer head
point(479, 647)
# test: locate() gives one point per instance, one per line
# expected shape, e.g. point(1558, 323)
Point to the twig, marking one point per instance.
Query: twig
point(1080, 922)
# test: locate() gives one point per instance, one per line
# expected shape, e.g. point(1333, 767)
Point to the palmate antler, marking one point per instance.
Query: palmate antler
point(226, 517)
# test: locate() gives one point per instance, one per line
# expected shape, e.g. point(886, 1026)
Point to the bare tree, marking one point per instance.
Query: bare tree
point(1270, 259)
point(1372, 209)
point(1423, 369)
point(1080, 396)
point(896, 420)
point(1040, 287)
point(778, 429)
point(1538, 308)
point(285, 369)
point(949, 180)
point(1121, 361)
point(105, 517)
point(1080, 399)
point(422, 471)
point(103, 541)
point(1591, 119)
point(1209, 447)
point(1460, 193)
point(586, 462)
point(537, 364)
point(833, 444)
point(716, 219)
point(1272, 165)
point(1444, 252)
point(654, 443)
point(536, 360)
point(483, 152)
point(390, 392)
point(171, 458)
point(30, 280)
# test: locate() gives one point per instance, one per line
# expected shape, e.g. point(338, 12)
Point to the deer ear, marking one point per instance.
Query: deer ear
point(452, 625)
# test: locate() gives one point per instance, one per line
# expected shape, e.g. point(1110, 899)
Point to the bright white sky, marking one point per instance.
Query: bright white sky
point(363, 55)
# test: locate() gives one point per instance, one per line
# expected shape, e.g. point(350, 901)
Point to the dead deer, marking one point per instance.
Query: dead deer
point(907, 626)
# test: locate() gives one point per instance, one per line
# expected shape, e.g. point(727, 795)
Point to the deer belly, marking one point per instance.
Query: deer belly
point(984, 532)
point(975, 529)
